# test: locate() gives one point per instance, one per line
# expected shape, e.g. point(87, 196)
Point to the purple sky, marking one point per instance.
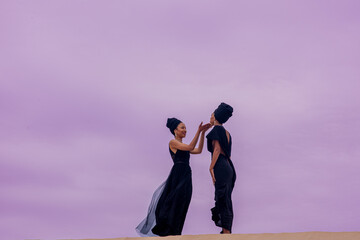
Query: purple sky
point(86, 88)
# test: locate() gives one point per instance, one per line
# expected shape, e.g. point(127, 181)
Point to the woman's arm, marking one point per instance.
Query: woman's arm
point(215, 156)
point(198, 150)
point(187, 147)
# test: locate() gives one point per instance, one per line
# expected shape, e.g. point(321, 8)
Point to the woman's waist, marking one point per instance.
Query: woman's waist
point(181, 166)
point(222, 156)
point(182, 162)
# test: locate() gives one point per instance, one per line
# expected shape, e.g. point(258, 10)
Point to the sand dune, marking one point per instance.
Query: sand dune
point(262, 236)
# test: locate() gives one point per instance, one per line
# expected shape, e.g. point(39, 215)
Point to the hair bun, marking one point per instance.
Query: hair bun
point(172, 124)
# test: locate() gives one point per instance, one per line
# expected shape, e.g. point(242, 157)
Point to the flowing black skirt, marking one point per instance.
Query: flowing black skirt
point(169, 204)
point(222, 213)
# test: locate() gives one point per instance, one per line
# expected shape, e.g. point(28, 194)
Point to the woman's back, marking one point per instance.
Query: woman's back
point(220, 134)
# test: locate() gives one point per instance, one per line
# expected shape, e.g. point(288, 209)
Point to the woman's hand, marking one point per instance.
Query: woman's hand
point(201, 127)
point(214, 180)
point(213, 176)
point(206, 127)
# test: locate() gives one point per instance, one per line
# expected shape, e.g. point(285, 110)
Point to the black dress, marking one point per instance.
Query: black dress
point(170, 202)
point(225, 175)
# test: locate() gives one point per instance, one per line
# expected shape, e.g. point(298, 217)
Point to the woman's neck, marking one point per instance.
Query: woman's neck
point(178, 139)
point(217, 124)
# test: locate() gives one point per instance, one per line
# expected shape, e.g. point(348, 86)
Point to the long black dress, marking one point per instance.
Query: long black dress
point(170, 202)
point(225, 175)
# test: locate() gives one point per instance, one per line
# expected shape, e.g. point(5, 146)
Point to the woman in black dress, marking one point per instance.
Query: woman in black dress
point(221, 168)
point(170, 202)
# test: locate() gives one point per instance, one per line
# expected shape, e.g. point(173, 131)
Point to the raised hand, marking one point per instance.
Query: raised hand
point(201, 127)
point(206, 127)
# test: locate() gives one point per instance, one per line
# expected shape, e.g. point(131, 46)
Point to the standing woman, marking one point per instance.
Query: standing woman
point(221, 168)
point(170, 202)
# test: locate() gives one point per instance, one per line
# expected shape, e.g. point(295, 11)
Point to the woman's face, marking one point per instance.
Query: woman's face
point(180, 131)
point(212, 119)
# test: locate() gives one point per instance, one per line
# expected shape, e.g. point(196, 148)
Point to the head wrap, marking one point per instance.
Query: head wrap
point(223, 112)
point(172, 124)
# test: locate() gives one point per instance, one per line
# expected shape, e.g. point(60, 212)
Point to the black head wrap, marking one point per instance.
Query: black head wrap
point(172, 124)
point(223, 112)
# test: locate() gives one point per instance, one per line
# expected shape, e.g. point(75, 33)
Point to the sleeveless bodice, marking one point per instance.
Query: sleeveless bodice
point(180, 156)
